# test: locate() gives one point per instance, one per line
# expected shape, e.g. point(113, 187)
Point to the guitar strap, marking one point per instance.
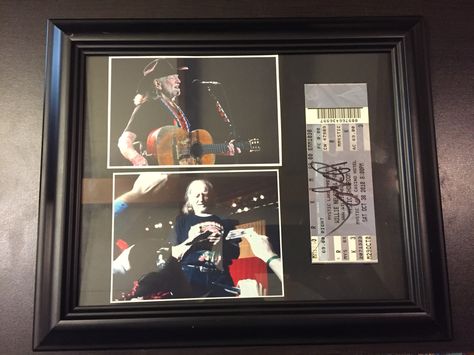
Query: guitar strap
point(178, 114)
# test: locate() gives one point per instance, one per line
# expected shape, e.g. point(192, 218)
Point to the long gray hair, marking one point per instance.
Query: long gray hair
point(187, 208)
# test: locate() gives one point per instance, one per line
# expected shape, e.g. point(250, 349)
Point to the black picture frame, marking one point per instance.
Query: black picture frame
point(61, 323)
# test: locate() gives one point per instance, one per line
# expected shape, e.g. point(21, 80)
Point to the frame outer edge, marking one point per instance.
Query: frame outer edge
point(50, 321)
point(435, 252)
point(47, 309)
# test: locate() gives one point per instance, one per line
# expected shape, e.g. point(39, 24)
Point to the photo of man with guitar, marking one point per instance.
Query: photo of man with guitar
point(178, 119)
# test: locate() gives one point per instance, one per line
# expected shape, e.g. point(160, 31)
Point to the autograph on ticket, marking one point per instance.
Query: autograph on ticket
point(341, 203)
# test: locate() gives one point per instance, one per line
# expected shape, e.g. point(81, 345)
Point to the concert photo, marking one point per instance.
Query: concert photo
point(200, 111)
point(182, 236)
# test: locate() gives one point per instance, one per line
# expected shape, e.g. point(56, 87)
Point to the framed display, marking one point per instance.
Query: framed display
point(238, 182)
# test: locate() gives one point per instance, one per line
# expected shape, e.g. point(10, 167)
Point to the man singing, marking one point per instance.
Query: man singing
point(156, 107)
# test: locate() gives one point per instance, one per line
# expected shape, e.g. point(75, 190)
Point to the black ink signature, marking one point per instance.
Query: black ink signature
point(335, 180)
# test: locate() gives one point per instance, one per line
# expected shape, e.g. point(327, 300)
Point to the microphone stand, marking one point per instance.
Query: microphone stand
point(222, 114)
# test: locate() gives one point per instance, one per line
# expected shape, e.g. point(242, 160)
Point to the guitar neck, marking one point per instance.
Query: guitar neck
point(220, 148)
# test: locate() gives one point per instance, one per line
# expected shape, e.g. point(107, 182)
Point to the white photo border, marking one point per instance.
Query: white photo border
point(199, 172)
point(109, 105)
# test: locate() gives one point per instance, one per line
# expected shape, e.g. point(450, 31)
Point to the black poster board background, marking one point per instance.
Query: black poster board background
point(381, 281)
point(384, 280)
point(22, 67)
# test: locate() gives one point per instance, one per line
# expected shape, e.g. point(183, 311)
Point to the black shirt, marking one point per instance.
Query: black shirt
point(227, 249)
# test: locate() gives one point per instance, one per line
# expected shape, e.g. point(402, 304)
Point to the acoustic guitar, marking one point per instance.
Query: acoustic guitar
point(172, 145)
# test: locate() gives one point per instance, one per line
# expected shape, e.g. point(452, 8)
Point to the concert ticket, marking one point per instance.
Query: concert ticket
point(341, 203)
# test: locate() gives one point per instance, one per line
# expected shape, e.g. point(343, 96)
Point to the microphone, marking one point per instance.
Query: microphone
point(197, 81)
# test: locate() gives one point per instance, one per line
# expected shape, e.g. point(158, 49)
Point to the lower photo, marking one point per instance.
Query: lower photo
point(181, 236)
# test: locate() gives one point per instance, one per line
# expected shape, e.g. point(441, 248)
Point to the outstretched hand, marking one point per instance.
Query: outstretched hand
point(260, 246)
point(149, 181)
point(146, 183)
point(263, 250)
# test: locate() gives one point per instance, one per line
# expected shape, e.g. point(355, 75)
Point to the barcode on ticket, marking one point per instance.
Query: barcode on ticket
point(337, 115)
point(340, 249)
